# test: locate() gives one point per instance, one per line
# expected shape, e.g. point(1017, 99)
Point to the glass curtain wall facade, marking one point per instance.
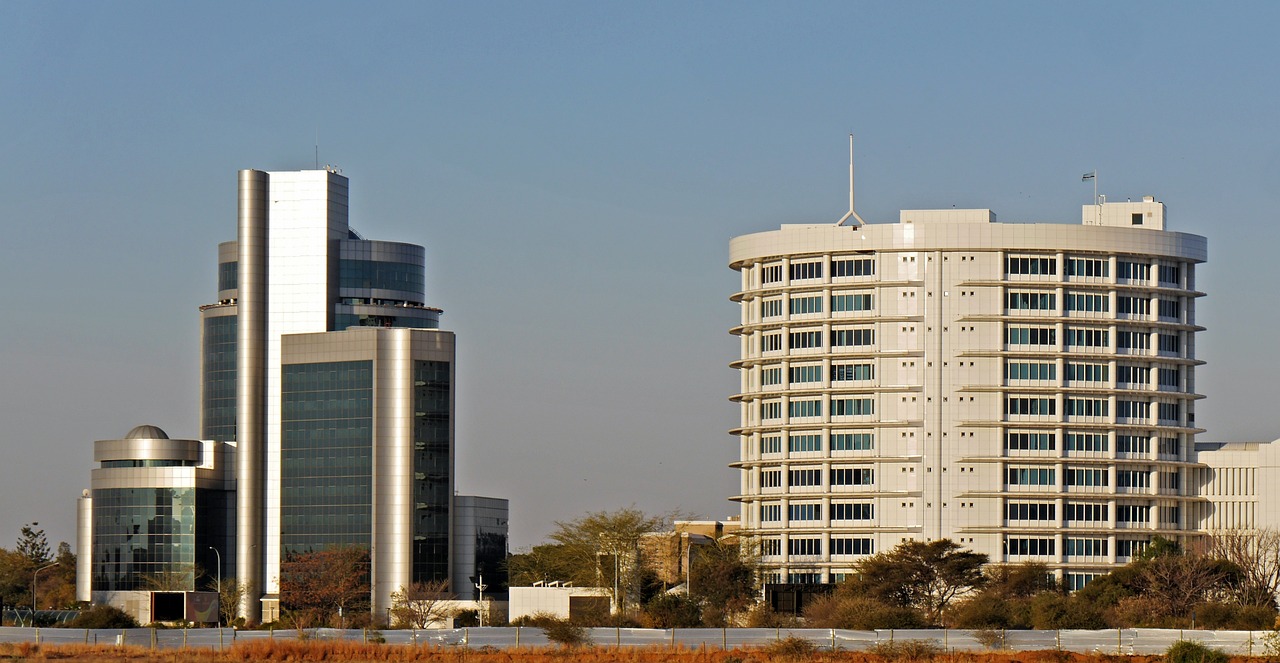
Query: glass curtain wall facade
point(432, 467)
point(327, 492)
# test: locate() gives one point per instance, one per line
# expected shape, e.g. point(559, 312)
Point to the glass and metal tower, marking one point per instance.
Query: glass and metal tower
point(323, 363)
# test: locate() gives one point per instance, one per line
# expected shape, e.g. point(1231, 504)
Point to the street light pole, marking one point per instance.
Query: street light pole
point(215, 551)
point(35, 575)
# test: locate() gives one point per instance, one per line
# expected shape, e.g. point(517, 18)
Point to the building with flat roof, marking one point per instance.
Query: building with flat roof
point(157, 511)
point(1024, 389)
point(323, 363)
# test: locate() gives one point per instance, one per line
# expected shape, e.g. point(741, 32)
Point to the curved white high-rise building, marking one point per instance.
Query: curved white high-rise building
point(1024, 389)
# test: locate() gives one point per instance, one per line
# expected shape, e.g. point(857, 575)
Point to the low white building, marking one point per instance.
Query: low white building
point(558, 601)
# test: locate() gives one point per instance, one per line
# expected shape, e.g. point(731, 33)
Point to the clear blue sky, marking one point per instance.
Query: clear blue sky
point(576, 171)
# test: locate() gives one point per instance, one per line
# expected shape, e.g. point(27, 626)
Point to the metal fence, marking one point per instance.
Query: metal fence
point(1110, 641)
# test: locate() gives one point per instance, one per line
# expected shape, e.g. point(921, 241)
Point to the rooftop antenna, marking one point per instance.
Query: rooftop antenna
point(317, 147)
point(851, 213)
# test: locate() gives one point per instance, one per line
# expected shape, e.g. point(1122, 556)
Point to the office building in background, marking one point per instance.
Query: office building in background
point(1024, 389)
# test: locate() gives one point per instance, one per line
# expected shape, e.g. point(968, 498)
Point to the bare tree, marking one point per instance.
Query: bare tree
point(421, 603)
point(1183, 580)
point(1257, 553)
point(230, 592)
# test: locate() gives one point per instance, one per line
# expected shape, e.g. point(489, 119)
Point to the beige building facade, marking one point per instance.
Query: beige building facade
point(1024, 389)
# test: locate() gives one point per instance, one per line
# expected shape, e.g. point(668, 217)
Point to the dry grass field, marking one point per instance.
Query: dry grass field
point(347, 652)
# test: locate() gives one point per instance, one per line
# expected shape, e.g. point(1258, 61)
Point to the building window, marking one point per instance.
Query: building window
point(1133, 271)
point(806, 270)
point(1021, 405)
point(1088, 338)
point(771, 444)
point(806, 339)
point(804, 546)
point(852, 511)
point(1170, 343)
point(771, 342)
point(1133, 340)
point(1169, 377)
point(1020, 441)
point(1133, 513)
point(848, 546)
point(852, 441)
point(1085, 372)
point(841, 407)
point(1032, 511)
point(805, 512)
point(852, 476)
point(804, 478)
point(1133, 305)
point(1087, 407)
point(1076, 512)
point(1133, 444)
point(772, 274)
point(1033, 266)
point(1133, 479)
point(803, 305)
point(841, 303)
point(771, 410)
point(1032, 301)
point(1087, 267)
point(770, 513)
point(1077, 581)
point(1089, 303)
point(1030, 476)
point(855, 267)
point(771, 479)
point(1031, 336)
point(1170, 412)
point(811, 408)
point(771, 308)
point(852, 372)
point(1022, 370)
point(1130, 547)
point(770, 546)
point(771, 376)
point(802, 374)
point(1086, 442)
point(1028, 546)
point(1076, 476)
point(1170, 308)
point(1085, 547)
point(852, 337)
point(1133, 409)
point(1170, 274)
point(803, 443)
point(1135, 375)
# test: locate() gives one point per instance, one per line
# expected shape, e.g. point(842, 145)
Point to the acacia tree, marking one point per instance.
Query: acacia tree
point(722, 578)
point(317, 584)
point(421, 604)
point(922, 575)
point(590, 550)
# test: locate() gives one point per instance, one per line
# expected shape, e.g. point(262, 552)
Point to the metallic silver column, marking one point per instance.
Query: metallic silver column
point(251, 431)
point(84, 547)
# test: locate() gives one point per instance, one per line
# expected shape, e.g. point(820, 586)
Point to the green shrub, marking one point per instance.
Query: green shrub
point(990, 638)
point(1186, 651)
point(567, 634)
point(103, 616)
point(790, 648)
point(906, 650)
